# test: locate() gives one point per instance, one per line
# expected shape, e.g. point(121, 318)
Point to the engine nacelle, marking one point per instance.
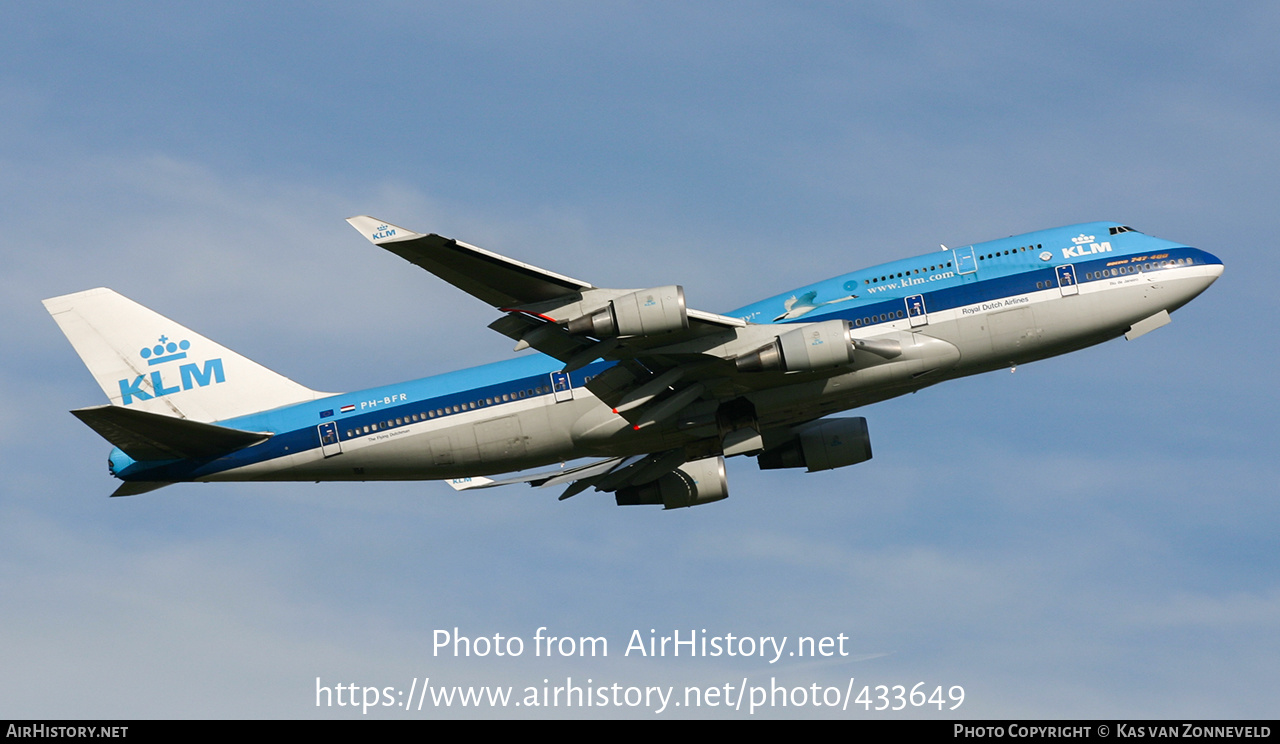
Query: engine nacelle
point(825, 444)
point(691, 484)
point(813, 347)
point(643, 313)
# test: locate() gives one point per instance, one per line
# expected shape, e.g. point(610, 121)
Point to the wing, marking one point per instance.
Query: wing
point(672, 365)
point(588, 473)
point(569, 319)
point(634, 480)
point(502, 282)
point(497, 280)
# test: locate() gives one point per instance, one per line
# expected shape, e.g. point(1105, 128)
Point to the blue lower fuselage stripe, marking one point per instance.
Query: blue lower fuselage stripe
point(305, 437)
point(295, 427)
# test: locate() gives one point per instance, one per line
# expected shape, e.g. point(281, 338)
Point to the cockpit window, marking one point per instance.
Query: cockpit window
point(1123, 229)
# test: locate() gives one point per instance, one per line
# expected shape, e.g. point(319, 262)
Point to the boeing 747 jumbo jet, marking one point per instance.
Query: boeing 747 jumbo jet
point(657, 394)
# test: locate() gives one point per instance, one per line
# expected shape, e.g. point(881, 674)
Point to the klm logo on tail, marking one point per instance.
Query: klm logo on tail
point(190, 375)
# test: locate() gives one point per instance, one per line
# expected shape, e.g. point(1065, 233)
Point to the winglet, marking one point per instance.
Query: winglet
point(474, 481)
point(379, 232)
point(497, 280)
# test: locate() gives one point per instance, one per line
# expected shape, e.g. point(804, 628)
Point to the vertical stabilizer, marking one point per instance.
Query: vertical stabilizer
point(145, 362)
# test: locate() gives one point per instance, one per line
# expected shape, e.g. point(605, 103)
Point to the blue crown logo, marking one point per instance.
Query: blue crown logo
point(165, 351)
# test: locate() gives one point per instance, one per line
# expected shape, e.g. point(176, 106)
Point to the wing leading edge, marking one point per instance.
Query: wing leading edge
point(667, 478)
point(575, 321)
point(499, 281)
point(673, 365)
point(494, 279)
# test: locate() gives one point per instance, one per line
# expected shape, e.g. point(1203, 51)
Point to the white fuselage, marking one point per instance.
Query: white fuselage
point(529, 424)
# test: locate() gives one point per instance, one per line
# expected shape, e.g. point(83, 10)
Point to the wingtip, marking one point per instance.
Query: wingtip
point(377, 231)
point(475, 481)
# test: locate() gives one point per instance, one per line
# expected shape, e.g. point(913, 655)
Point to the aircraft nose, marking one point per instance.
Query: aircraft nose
point(1210, 269)
point(1213, 267)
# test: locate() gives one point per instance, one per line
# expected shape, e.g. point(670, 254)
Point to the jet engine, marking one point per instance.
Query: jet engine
point(642, 313)
point(825, 444)
point(812, 347)
point(692, 484)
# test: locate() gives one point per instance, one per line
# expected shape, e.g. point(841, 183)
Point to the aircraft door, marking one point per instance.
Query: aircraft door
point(561, 386)
point(916, 311)
point(966, 261)
point(1067, 279)
point(330, 445)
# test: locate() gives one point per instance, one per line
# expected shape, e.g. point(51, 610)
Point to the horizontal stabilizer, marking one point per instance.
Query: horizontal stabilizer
point(151, 436)
point(133, 488)
point(498, 280)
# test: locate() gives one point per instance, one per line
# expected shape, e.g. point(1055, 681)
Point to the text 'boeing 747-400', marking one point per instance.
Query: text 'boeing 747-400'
point(655, 393)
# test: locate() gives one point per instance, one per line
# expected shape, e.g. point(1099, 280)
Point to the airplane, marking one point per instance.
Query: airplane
point(653, 394)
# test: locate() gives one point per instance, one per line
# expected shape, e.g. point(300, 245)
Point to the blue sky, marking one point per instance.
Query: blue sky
point(1093, 536)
